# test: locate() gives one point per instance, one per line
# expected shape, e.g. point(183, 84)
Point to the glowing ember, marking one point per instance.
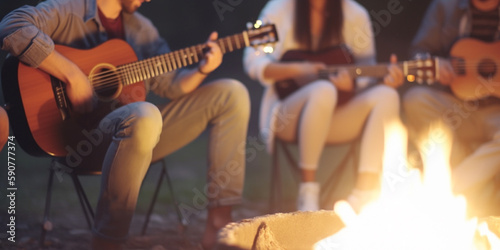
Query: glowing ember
point(413, 212)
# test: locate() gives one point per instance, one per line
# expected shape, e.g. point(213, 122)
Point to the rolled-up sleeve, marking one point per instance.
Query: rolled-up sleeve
point(24, 33)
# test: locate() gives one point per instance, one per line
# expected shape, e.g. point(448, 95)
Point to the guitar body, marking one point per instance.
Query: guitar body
point(476, 65)
point(338, 55)
point(36, 116)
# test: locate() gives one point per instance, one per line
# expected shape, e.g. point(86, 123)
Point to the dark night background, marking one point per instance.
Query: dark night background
point(184, 23)
point(187, 22)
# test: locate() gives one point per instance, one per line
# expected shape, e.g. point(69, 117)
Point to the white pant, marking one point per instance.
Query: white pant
point(315, 120)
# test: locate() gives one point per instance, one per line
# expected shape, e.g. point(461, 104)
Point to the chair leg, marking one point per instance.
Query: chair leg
point(275, 196)
point(46, 223)
point(183, 221)
point(84, 202)
point(152, 204)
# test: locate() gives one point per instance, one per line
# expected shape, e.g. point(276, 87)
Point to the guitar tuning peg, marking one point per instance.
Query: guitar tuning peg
point(257, 24)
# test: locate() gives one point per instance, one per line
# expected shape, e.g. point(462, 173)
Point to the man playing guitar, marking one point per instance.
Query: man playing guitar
point(464, 34)
point(130, 137)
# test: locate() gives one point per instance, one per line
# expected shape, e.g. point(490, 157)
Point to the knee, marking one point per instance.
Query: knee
point(143, 124)
point(323, 93)
point(387, 95)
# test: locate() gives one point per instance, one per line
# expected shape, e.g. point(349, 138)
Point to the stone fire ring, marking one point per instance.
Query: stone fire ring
point(297, 230)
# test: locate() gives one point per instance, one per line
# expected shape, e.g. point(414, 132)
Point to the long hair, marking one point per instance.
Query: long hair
point(332, 23)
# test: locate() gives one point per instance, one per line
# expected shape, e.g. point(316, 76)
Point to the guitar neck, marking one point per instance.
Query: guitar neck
point(152, 67)
point(380, 70)
point(377, 70)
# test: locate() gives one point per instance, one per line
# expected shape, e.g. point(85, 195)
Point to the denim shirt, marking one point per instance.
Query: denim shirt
point(30, 33)
point(445, 22)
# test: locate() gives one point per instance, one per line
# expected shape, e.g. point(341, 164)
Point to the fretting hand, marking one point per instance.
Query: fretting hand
point(213, 57)
point(342, 80)
point(395, 76)
point(446, 73)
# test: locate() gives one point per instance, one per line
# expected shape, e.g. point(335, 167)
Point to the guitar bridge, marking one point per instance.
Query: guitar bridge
point(60, 97)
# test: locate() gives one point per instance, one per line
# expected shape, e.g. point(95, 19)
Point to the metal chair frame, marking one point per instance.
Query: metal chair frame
point(87, 207)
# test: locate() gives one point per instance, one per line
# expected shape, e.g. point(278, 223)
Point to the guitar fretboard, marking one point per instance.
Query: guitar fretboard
point(379, 70)
point(419, 67)
point(138, 71)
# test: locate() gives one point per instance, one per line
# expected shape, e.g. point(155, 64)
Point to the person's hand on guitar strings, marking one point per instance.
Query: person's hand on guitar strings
point(342, 80)
point(78, 87)
point(395, 76)
point(212, 57)
point(80, 92)
point(446, 72)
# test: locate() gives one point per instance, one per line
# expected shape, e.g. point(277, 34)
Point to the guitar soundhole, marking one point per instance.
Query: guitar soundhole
point(106, 82)
point(487, 68)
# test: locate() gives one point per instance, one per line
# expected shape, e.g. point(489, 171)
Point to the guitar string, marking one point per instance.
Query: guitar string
point(107, 80)
point(143, 69)
point(144, 63)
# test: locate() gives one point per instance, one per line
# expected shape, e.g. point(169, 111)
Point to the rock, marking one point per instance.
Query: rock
point(264, 239)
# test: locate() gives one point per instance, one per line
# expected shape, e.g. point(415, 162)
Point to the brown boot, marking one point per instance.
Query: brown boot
point(103, 244)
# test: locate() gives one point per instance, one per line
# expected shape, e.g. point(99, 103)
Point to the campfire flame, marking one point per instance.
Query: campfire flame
point(414, 211)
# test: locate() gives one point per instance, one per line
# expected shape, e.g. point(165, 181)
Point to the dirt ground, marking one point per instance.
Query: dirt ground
point(70, 231)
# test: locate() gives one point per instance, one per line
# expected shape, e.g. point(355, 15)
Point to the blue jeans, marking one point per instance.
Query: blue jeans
point(137, 134)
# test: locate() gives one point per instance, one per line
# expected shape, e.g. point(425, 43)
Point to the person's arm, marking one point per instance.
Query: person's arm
point(428, 38)
point(78, 87)
point(394, 77)
point(24, 34)
point(189, 79)
point(429, 41)
point(360, 40)
point(266, 68)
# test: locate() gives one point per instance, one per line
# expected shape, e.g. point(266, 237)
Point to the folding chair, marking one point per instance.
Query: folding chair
point(56, 169)
point(346, 168)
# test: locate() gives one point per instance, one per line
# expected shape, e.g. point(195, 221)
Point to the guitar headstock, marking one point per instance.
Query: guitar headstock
point(424, 69)
point(260, 34)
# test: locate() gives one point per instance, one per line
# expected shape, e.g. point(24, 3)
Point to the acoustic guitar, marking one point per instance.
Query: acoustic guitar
point(40, 111)
point(476, 67)
point(337, 57)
